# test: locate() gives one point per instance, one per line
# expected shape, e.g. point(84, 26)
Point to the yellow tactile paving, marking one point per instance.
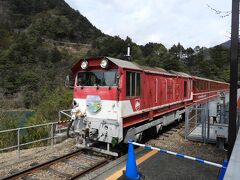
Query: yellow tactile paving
point(119, 173)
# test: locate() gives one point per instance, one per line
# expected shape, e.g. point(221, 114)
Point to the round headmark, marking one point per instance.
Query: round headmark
point(93, 103)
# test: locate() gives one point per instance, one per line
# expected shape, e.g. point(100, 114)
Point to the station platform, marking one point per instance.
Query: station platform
point(197, 133)
point(155, 165)
point(164, 166)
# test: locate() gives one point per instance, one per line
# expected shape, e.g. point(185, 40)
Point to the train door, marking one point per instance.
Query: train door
point(159, 91)
point(184, 89)
point(145, 91)
point(190, 88)
point(177, 89)
point(164, 91)
point(174, 89)
point(156, 93)
point(152, 91)
point(169, 90)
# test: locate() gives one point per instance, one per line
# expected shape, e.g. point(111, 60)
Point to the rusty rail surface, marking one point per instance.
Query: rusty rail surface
point(43, 166)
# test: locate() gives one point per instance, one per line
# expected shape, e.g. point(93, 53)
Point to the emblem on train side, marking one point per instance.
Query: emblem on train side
point(93, 103)
point(137, 104)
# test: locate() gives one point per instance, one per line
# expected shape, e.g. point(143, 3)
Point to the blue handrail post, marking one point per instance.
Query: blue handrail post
point(223, 170)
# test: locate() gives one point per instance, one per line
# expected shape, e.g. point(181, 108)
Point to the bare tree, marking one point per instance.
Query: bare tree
point(222, 14)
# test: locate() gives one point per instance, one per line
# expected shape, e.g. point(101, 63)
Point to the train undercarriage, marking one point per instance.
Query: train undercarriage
point(88, 136)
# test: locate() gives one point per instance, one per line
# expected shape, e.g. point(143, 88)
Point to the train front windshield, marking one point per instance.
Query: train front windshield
point(97, 78)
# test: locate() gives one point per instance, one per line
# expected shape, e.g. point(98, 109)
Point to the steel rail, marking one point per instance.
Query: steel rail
point(90, 169)
point(40, 166)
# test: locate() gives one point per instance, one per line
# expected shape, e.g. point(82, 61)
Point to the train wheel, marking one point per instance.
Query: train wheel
point(180, 118)
point(159, 128)
point(139, 137)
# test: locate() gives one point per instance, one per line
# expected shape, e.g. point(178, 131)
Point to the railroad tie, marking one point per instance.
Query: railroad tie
point(56, 172)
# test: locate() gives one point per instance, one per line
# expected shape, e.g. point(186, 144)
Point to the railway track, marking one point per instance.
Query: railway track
point(169, 131)
point(173, 128)
point(79, 163)
point(70, 166)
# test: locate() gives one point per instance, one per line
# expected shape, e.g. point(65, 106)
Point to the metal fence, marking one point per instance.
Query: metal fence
point(203, 123)
point(197, 123)
point(64, 115)
point(19, 137)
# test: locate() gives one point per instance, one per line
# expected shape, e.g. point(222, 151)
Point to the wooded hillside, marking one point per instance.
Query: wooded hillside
point(41, 40)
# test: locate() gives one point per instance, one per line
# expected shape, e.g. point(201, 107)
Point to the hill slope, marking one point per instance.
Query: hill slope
point(50, 19)
point(30, 63)
point(226, 44)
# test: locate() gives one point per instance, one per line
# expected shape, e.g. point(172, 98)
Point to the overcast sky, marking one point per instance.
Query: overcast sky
point(190, 22)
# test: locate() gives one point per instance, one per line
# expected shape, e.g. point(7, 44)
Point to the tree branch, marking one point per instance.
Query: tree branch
point(222, 14)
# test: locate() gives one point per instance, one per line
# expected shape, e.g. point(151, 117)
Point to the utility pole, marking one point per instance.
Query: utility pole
point(233, 77)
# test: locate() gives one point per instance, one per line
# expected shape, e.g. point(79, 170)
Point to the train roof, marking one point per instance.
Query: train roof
point(155, 70)
point(180, 74)
point(147, 69)
point(124, 64)
point(134, 66)
point(205, 79)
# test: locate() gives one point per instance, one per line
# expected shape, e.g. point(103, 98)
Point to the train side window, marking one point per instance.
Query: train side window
point(133, 87)
point(128, 84)
point(185, 88)
point(138, 88)
point(198, 85)
point(133, 84)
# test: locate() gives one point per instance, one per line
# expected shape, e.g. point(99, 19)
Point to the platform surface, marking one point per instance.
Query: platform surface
point(157, 166)
point(165, 166)
point(196, 134)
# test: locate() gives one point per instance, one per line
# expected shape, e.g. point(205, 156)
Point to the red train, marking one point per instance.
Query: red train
point(115, 100)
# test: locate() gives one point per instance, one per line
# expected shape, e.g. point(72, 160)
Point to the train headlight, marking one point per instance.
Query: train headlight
point(75, 104)
point(104, 63)
point(84, 65)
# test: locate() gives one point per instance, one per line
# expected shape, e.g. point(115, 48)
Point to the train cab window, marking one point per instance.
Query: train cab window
point(133, 87)
point(97, 78)
point(185, 88)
